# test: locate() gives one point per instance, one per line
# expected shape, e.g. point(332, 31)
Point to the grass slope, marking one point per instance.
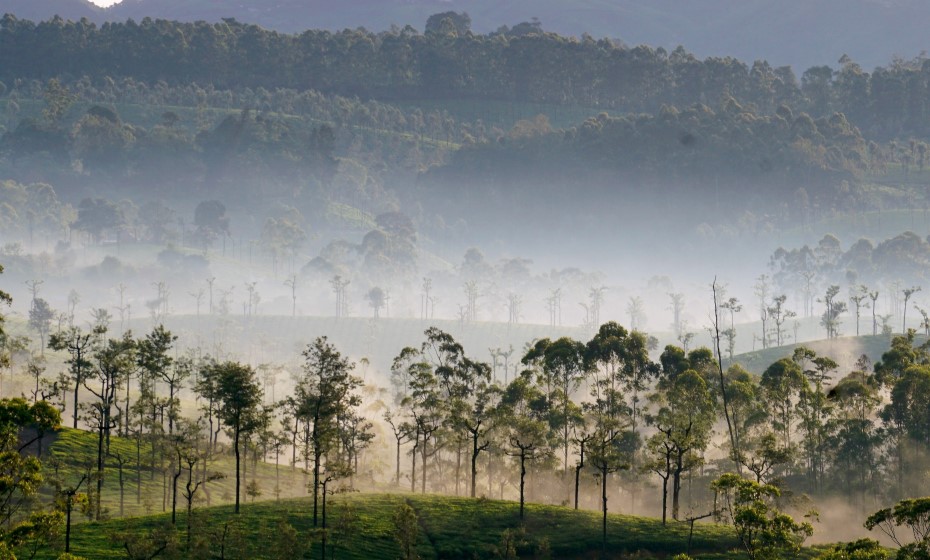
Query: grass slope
point(71, 453)
point(844, 350)
point(361, 527)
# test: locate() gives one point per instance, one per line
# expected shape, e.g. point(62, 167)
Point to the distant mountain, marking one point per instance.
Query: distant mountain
point(801, 33)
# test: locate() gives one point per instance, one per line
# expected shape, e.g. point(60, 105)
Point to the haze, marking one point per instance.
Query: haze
point(441, 283)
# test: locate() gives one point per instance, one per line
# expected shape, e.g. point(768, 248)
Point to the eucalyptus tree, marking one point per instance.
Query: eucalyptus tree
point(156, 359)
point(156, 362)
point(683, 423)
point(523, 413)
point(111, 363)
point(907, 419)
point(782, 383)
point(757, 447)
point(832, 311)
point(325, 393)
point(40, 320)
point(856, 439)
point(456, 379)
point(477, 412)
point(398, 415)
point(619, 370)
point(560, 368)
point(429, 412)
point(858, 298)
point(5, 300)
point(815, 410)
point(779, 315)
point(873, 295)
point(237, 391)
point(907, 292)
point(78, 344)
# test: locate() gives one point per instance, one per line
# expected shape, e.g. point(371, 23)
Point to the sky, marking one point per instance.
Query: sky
point(104, 3)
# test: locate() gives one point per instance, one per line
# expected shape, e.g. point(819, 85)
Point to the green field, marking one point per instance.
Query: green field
point(361, 527)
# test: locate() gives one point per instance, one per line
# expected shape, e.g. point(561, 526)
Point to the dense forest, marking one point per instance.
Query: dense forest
point(793, 32)
point(447, 64)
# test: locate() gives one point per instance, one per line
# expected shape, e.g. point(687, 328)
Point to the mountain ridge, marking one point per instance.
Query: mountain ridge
point(800, 33)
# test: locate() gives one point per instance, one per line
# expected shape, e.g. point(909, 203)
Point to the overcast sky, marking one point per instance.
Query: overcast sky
point(104, 3)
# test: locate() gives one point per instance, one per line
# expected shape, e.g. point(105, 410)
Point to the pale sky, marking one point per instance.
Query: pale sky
point(104, 3)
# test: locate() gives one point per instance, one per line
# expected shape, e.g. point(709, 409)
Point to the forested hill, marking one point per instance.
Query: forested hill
point(405, 65)
point(624, 168)
point(802, 33)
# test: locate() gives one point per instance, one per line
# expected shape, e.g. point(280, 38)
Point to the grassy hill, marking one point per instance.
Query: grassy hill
point(361, 527)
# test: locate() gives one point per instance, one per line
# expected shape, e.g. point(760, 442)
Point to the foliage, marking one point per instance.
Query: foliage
point(862, 549)
point(913, 515)
point(407, 529)
point(763, 531)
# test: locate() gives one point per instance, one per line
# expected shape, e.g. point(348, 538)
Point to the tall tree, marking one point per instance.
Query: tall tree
point(523, 408)
point(560, 367)
point(78, 344)
point(327, 391)
point(239, 395)
point(683, 422)
point(111, 361)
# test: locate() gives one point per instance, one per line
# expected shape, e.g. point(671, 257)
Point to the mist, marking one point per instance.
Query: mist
point(694, 267)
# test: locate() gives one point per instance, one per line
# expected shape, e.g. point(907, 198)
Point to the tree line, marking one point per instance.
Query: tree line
point(578, 416)
point(451, 63)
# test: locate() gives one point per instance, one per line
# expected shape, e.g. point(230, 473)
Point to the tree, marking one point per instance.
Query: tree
point(764, 532)
point(156, 348)
point(239, 396)
point(912, 514)
point(211, 221)
point(477, 412)
point(716, 291)
point(523, 408)
point(617, 361)
point(5, 299)
point(376, 299)
point(40, 320)
point(96, 216)
point(683, 423)
point(832, 311)
point(908, 292)
point(858, 299)
point(782, 384)
point(111, 362)
point(445, 22)
point(560, 367)
point(325, 393)
point(779, 315)
point(78, 344)
point(283, 236)
point(21, 473)
point(406, 531)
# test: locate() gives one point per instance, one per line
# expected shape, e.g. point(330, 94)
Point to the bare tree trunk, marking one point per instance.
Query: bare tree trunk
point(238, 471)
point(522, 480)
point(723, 386)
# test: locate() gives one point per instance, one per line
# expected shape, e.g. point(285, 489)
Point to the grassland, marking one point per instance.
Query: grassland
point(361, 527)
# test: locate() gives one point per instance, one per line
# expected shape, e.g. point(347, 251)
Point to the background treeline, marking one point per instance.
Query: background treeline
point(295, 148)
point(730, 159)
point(450, 63)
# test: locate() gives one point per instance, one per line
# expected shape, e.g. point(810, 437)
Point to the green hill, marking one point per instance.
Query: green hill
point(361, 527)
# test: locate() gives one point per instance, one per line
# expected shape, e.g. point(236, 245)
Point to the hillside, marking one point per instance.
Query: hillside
point(361, 527)
point(797, 32)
